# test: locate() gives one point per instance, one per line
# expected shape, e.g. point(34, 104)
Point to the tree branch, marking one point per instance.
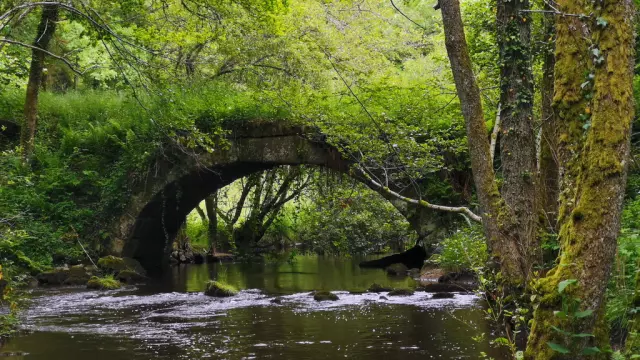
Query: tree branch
point(64, 60)
point(454, 209)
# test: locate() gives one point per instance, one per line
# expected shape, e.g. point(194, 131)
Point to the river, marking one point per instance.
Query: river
point(170, 318)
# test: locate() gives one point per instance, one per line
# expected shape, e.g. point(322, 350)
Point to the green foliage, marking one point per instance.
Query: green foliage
point(345, 218)
point(466, 249)
point(571, 315)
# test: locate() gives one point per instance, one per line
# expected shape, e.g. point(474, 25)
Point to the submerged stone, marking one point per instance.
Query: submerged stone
point(219, 289)
point(443, 295)
point(325, 296)
point(400, 292)
point(103, 283)
point(277, 300)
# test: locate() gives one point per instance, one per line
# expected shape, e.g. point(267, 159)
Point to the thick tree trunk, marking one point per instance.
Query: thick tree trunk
point(548, 162)
point(517, 141)
point(588, 234)
point(498, 220)
point(46, 29)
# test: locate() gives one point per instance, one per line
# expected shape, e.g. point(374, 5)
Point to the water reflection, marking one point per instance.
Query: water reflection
point(167, 319)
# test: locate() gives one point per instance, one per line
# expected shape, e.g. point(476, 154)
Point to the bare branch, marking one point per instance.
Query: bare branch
point(61, 58)
point(494, 134)
point(454, 209)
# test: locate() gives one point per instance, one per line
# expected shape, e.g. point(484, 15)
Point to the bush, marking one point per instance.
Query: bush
point(464, 249)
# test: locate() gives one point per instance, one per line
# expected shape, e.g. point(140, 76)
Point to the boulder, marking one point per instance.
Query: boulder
point(325, 296)
point(129, 276)
point(219, 289)
point(400, 292)
point(114, 265)
point(103, 283)
point(398, 269)
point(53, 277)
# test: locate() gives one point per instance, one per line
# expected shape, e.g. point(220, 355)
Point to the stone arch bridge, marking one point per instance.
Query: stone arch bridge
point(173, 188)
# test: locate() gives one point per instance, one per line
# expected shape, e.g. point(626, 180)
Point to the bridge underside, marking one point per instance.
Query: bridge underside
point(174, 188)
point(159, 222)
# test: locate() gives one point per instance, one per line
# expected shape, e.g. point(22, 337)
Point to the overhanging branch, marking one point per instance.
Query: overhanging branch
point(454, 209)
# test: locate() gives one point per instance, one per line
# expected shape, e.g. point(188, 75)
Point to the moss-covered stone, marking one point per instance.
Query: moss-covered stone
point(53, 277)
point(377, 288)
point(325, 296)
point(219, 289)
point(400, 292)
point(105, 283)
point(112, 263)
point(77, 280)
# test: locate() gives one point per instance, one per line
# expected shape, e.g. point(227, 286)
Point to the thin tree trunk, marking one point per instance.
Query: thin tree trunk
point(497, 219)
point(517, 141)
point(46, 29)
point(211, 205)
point(588, 234)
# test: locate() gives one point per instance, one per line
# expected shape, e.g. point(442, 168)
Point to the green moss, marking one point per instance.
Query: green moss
point(325, 296)
point(104, 283)
point(112, 263)
point(219, 289)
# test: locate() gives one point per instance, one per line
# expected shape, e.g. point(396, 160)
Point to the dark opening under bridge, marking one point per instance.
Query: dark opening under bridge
point(173, 188)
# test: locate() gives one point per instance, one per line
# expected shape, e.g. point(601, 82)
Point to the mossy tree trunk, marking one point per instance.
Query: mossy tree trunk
point(590, 215)
point(46, 29)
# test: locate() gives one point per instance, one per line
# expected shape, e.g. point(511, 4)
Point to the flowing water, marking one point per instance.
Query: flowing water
point(170, 318)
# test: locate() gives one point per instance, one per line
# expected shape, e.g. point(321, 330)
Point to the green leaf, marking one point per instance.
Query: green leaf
point(563, 284)
point(582, 335)
point(558, 348)
point(560, 330)
point(590, 351)
point(583, 314)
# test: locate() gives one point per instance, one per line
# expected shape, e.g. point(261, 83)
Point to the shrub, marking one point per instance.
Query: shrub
point(464, 249)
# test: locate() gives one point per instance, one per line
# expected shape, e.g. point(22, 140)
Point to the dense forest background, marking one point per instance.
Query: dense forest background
point(93, 93)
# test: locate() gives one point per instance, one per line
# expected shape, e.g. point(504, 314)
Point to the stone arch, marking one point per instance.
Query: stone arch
point(159, 207)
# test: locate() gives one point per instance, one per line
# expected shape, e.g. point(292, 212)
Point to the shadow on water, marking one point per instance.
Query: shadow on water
point(170, 318)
